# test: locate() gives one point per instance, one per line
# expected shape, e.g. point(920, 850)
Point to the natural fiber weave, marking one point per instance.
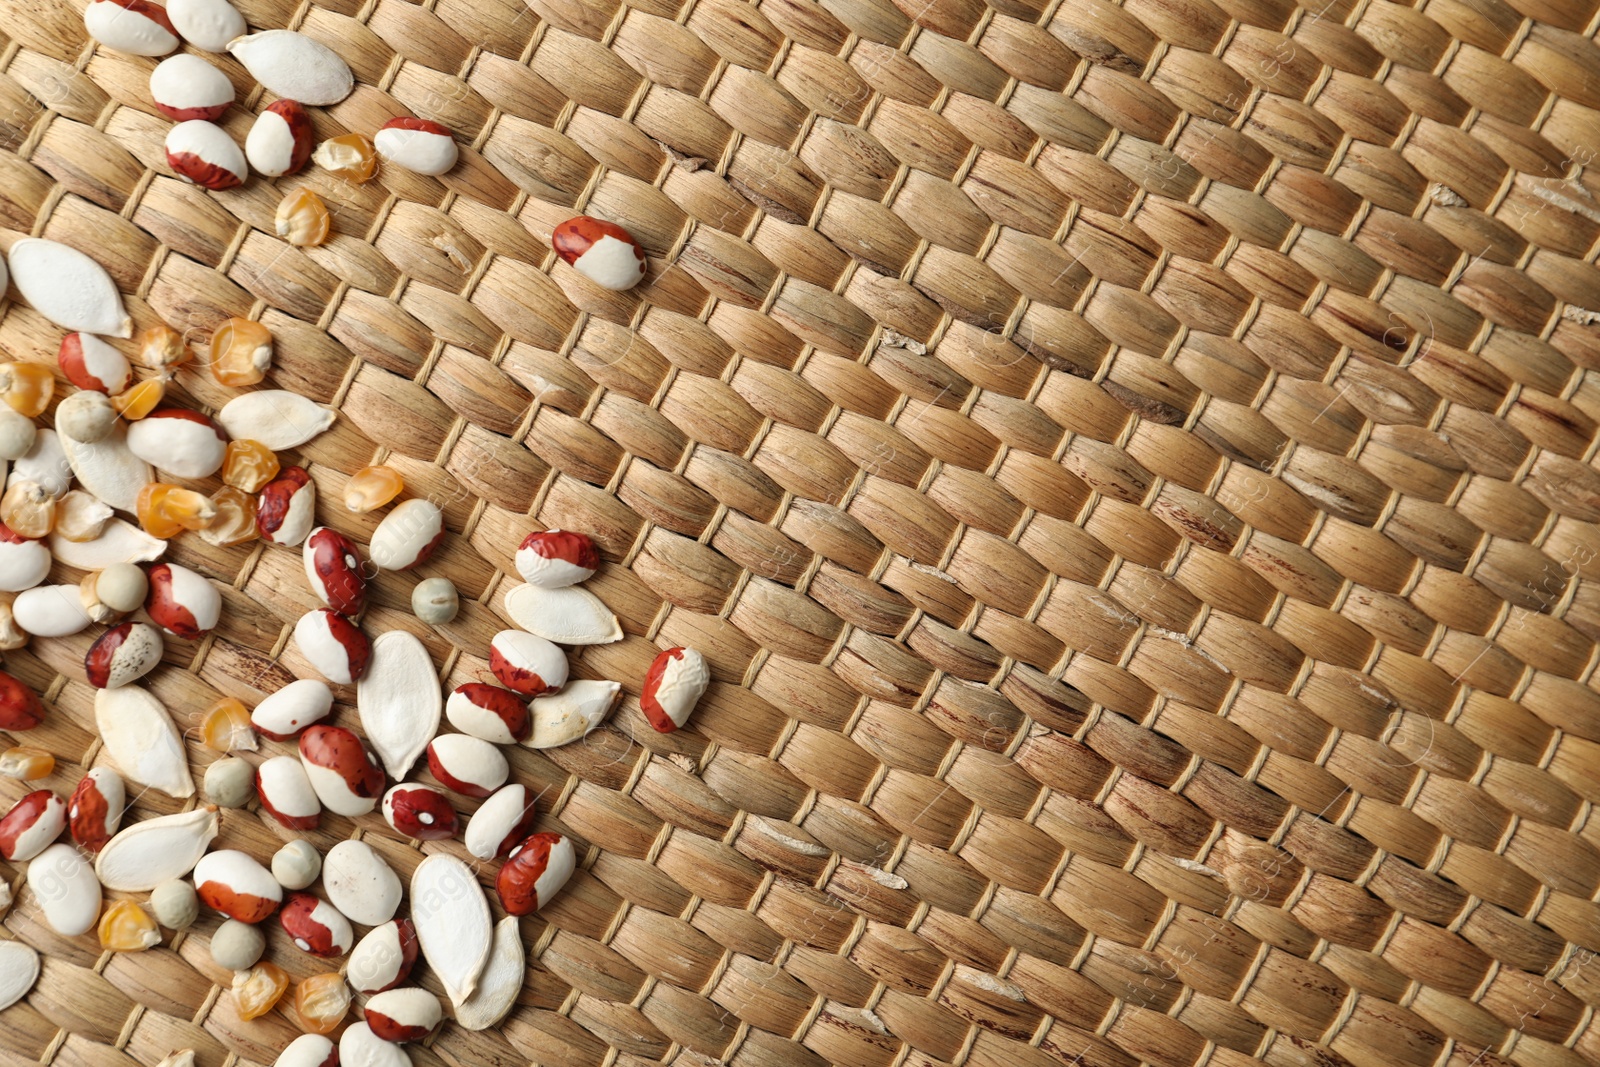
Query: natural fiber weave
point(1130, 466)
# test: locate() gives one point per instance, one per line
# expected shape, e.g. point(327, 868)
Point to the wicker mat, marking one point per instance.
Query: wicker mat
point(1129, 466)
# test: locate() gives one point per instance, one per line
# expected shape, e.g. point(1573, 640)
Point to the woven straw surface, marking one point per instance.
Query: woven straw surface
point(1129, 464)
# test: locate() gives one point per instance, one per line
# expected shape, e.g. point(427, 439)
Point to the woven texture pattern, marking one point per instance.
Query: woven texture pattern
point(1129, 466)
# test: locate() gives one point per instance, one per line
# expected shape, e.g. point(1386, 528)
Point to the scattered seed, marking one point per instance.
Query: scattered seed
point(500, 823)
point(399, 701)
point(384, 958)
point(138, 27)
point(361, 885)
point(562, 718)
point(315, 926)
point(144, 855)
point(407, 536)
point(32, 824)
point(182, 602)
point(334, 645)
point(286, 793)
point(435, 601)
point(452, 920)
point(50, 610)
point(402, 1015)
point(291, 709)
point(286, 508)
point(349, 156)
point(237, 946)
point(279, 142)
point(207, 24)
point(557, 558)
point(567, 616)
point(535, 872)
point(19, 969)
point(527, 664)
point(119, 542)
point(123, 654)
point(180, 442)
point(499, 983)
point(294, 66)
point(203, 153)
point(66, 286)
point(297, 864)
point(108, 469)
point(277, 418)
point(141, 739)
point(418, 145)
point(66, 890)
point(360, 1047)
point(230, 782)
point(185, 87)
point(601, 251)
point(231, 882)
point(90, 363)
point(302, 219)
point(344, 774)
point(467, 765)
point(95, 810)
point(674, 684)
point(175, 904)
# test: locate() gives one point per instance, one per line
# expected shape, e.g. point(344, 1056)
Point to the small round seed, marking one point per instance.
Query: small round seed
point(175, 904)
point(230, 782)
point(434, 601)
point(296, 865)
point(237, 946)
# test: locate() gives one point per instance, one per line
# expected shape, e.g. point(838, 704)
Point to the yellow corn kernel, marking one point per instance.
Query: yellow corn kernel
point(303, 219)
point(371, 488)
point(241, 352)
point(139, 399)
point(258, 989)
point(126, 927)
point(225, 727)
point(162, 348)
point(27, 763)
point(27, 387)
point(235, 521)
point(320, 1003)
point(164, 510)
point(249, 465)
point(28, 508)
point(352, 157)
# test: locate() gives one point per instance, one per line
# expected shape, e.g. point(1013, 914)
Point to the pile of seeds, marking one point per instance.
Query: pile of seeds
point(71, 490)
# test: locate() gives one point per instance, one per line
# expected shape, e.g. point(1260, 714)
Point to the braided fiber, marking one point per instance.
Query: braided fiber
point(1130, 466)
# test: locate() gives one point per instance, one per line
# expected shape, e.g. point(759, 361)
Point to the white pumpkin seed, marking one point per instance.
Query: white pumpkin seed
point(108, 469)
point(277, 418)
point(141, 739)
point(566, 616)
point(451, 916)
point(360, 884)
point(64, 885)
point(46, 463)
point(500, 981)
point(293, 65)
point(564, 717)
point(19, 969)
point(144, 855)
point(119, 542)
point(68, 288)
point(399, 701)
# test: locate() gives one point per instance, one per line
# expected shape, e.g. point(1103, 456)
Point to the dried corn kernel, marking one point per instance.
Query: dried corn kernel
point(258, 989)
point(27, 387)
point(241, 352)
point(165, 510)
point(352, 157)
point(249, 465)
point(162, 348)
point(126, 927)
point(26, 763)
point(303, 219)
point(235, 521)
point(225, 727)
point(28, 508)
point(140, 399)
point(320, 1003)
point(371, 488)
